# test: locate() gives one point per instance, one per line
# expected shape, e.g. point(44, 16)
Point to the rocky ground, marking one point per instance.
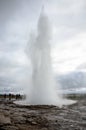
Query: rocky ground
point(40, 117)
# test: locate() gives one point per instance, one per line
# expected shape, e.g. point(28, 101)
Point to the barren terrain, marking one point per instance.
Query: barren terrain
point(42, 117)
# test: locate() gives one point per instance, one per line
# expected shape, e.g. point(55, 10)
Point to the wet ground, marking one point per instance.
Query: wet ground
point(42, 117)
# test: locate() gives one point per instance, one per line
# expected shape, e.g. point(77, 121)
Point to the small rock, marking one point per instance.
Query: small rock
point(34, 123)
point(71, 125)
point(84, 117)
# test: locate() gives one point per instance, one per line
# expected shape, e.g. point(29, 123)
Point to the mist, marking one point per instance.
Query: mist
point(44, 89)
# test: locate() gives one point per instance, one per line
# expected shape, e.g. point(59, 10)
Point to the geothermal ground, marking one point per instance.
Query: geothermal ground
point(42, 117)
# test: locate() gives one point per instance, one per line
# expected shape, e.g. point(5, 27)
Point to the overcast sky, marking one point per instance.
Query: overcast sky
point(19, 17)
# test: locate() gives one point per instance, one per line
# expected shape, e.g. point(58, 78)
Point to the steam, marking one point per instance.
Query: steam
point(43, 89)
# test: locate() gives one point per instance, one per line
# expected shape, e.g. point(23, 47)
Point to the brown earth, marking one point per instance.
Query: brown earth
point(42, 117)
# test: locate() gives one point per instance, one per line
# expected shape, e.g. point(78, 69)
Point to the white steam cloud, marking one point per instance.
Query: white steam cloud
point(43, 89)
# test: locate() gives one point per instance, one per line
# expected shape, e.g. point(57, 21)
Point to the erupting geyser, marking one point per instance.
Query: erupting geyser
point(43, 89)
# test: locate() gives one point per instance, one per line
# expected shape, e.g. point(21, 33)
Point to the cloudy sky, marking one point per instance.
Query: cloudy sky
point(19, 17)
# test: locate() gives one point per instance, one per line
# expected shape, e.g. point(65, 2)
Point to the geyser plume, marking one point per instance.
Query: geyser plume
point(42, 84)
point(43, 91)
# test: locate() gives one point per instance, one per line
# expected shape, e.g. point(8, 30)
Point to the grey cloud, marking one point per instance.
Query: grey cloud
point(7, 8)
point(81, 66)
point(7, 11)
point(6, 61)
point(67, 14)
point(13, 16)
point(19, 16)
